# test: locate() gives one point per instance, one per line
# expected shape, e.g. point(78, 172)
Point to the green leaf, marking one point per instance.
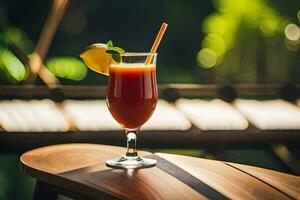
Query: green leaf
point(114, 51)
point(111, 51)
point(117, 57)
point(118, 49)
point(109, 44)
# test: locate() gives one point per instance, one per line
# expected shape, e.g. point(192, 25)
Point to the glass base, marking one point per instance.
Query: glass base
point(131, 162)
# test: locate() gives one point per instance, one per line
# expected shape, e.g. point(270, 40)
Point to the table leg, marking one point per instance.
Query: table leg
point(42, 192)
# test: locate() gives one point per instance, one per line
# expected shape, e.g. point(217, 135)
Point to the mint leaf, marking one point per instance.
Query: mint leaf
point(118, 49)
point(111, 51)
point(117, 57)
point(109, 44)
point(114, 51)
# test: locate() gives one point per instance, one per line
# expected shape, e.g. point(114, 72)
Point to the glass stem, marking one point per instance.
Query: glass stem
point(131, 143)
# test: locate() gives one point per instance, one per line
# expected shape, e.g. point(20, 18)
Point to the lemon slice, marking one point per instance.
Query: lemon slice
point(96, 58)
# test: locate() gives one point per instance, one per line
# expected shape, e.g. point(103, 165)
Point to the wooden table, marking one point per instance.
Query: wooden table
point(79, 171)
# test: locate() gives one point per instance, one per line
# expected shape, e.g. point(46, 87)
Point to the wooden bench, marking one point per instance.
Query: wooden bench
point(79, 171)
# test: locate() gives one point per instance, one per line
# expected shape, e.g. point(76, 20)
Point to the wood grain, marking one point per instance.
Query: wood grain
point(225, 179)
point(287, 183)
point(80, 168)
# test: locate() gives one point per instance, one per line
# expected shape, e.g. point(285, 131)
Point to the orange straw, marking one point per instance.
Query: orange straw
point(156, 42)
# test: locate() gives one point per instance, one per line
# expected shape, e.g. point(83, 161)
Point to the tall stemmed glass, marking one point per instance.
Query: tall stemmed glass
point(131, 99)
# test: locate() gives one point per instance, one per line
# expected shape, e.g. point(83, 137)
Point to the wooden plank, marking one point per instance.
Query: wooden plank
point(286, 183)
point(225, 179)
point(70, 156)
point(90, 115)
point(185, 90)
point(270, 114)
point(150, 183)
point(31, 116)
point(81, 168)
point(93, 115)
point(167, 117)
point(212, 115)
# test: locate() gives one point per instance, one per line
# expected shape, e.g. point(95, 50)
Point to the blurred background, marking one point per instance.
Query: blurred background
point(230, 41)
point(220, 42)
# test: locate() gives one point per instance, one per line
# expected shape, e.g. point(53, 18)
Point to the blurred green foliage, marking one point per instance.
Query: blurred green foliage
point(243, 38)
point(12, 70)
point(14, 184)
point(221, 28)
point(12, 66)
point(248, 41)
point(19, 38)
point(67, 68)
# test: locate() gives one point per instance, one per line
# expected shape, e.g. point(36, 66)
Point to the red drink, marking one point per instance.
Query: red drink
point(132, 93)
point(131, 99)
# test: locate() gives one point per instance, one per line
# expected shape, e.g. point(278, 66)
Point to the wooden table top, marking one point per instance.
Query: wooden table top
point(80, 168)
